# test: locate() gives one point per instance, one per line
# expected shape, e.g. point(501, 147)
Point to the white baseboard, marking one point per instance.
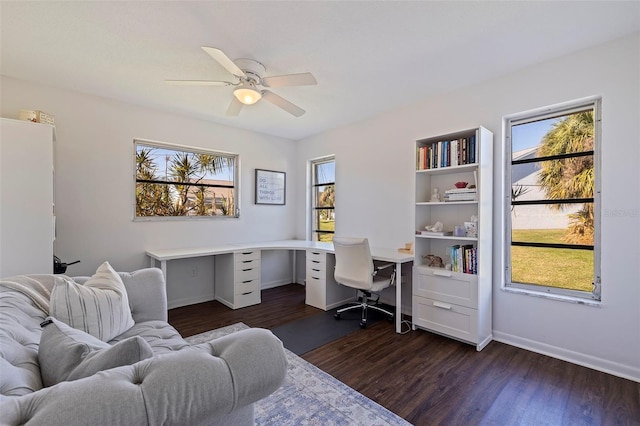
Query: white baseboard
point(189, 301)
point(595, 363)
point(272, 284)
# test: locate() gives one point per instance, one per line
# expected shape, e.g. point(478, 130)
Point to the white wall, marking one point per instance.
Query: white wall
point(375, 192)
point(94, 187)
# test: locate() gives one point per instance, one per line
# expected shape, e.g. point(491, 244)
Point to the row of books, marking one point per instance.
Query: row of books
point(464, 259)
point(447, 153)
point(460, 194)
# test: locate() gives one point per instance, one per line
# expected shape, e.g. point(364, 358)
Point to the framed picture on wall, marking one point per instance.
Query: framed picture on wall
point(270, 187)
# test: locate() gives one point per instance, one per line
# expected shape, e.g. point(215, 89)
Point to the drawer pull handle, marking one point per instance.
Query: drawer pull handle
point(315, 261)
point(315, 278)
point(316, 270)
point(249, 292)
point(247, 281)
point(245, 270)
point(315, 252)
point(442, 305)
point(442, 273)
point(247, 252)
point(247, 261)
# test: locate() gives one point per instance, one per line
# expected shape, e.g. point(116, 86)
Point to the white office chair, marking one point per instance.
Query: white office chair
point(355, 268)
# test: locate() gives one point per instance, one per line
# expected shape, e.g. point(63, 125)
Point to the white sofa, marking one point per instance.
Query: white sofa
point(211, 383)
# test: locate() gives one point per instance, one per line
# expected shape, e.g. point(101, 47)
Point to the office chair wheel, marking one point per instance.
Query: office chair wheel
point(337, 316)
point(363, 324)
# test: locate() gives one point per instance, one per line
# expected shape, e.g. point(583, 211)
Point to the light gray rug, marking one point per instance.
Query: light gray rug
point(309, 396)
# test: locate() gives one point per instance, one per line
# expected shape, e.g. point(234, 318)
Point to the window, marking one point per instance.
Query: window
point(323, 189)
point(552, 238)
point(175, 181)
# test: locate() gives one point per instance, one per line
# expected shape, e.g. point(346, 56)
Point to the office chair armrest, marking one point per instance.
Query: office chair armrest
point(379, 268)
point(384, 266)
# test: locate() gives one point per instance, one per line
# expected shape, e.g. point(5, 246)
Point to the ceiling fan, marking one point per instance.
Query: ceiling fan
point(249, 75)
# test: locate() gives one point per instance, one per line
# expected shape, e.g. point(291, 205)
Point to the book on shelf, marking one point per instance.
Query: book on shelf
point(464, 259)
point(460, 194)
point(446, 153)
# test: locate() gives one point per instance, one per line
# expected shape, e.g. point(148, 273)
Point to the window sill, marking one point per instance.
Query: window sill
point(551, 296)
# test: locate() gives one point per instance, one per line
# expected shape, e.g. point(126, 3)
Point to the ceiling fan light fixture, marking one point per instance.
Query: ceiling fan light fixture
point(247, 94)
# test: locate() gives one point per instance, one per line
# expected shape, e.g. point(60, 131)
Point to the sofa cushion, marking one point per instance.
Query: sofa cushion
point(68, 354)
point(20, 330)
point(100, 307)
point(161, 336)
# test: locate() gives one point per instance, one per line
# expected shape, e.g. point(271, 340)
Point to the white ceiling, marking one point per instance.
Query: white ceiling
point(368, 56)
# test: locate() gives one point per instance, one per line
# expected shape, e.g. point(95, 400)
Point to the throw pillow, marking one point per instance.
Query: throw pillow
point(100, 307)
point(67, 354)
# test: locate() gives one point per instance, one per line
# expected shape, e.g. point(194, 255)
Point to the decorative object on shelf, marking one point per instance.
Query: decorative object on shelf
point(36, 116)
point(408, 248)
point(435, 195)
point(270, 187)
point(471, 228)
point(433, 261)
point(459, 231)
point(437, 227)
point(461, 184)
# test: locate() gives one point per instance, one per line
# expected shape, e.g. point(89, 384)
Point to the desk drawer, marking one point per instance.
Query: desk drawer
point(316, 291)
point(246, 299)
point(247, 264)
point(316, 270)
point(446, 286)
point(446, 318)
point(247, 286)
point(246, 256)
point(248, 274)
point(315, 257)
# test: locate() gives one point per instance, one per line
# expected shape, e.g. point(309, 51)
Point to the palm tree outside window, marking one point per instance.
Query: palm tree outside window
point(179, 182)
point(552, 238)
point(323, 189)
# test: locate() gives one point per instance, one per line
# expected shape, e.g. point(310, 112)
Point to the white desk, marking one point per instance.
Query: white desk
point(378, 253)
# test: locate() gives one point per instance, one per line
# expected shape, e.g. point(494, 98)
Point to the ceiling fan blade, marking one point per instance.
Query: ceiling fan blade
point(303, 79)
point(234, 107)
point(224, 60)
point(198, 83)
point(282, 103)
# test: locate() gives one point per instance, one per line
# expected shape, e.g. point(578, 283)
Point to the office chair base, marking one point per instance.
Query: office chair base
point(364, 305)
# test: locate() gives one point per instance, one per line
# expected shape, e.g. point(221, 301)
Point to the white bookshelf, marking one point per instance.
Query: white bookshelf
point(454, 303)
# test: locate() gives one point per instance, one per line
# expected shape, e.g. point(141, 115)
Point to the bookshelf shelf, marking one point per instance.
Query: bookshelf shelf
point(448, 170)
point(447, 237)
point(456, 300)
point(444, 203)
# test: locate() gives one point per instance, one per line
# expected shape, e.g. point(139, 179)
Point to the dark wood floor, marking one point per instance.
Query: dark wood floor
point(429, 380)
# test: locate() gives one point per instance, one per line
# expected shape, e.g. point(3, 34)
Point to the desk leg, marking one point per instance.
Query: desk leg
point(163, 267)
point(293, 280)
point(398, 297)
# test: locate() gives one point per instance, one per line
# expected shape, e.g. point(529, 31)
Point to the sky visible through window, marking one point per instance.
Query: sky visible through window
point(326, 172)
point(162, 159)
point(529, 135)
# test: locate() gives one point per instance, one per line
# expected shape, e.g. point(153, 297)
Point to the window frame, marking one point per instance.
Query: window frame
point(586, 297)
point(314, 230)
point(235, 187)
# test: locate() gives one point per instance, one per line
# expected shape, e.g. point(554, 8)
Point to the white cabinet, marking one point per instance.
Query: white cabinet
point(237, 278)
point(454, 300)
point(322, 291)
point(26, 197)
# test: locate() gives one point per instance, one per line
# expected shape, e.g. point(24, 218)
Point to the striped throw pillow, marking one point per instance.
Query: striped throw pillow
point(100, 307)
